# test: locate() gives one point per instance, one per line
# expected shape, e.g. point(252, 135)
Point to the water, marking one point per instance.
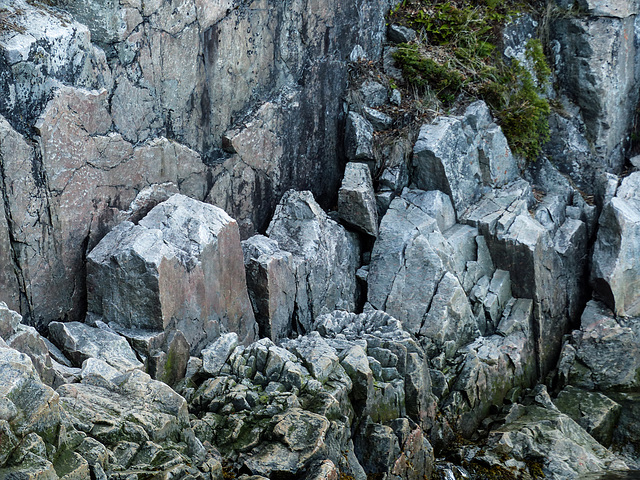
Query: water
point(626, 475)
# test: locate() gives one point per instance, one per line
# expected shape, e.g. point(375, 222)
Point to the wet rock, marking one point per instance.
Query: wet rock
point(616, 268)
point(326, 256)
point(356, 201)
point(593, 411)
point(82, 342)
point(358, 138)
point(182, 262)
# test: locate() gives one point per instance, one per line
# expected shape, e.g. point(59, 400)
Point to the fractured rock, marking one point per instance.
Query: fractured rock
point(326, 256)
point(182, 262)
point(82, 342)
point(358, 138)
point(272, 286)
point(616, 254)
point(356, 200)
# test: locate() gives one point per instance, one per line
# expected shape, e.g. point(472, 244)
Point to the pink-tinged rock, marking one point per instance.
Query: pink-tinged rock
point(180, 268)
point(75, 192)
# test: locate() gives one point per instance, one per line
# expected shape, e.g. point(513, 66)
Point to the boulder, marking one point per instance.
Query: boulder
point(326, 256)
point(553, 438)
point(605, 352)
point(459, 155)
point(358, 138)
point(272, 286)
point(408, 260)
point(81, 342)
point(132, 408)
point(356, 200)
point(593, 411)
point(616, 254)
point(182, 262)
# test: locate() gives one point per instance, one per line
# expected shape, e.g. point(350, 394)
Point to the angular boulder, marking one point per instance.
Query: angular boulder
point(271, 282)
point(81, 342)
point(616, 254)
point(326, 256)
point(180, 268)
point(356, 199)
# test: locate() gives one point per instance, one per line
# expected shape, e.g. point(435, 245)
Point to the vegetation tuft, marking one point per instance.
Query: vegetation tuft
point(456, 56)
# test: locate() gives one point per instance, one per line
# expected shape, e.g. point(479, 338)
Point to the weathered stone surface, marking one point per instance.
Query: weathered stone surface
point(458, 155)
point(616, 254)
point(9, 321)
point(565, 449)
point(358, 138)
point(435, 204)
point(400, 34)
point(35, 406)
point(44, 50)
point(520, 245)
point(182, 262)
point(82, 342)
point(356, 200)
point(325, 254)
point(450, 318)
point(593, 411)
point(216, 354)
point(605, 352)
point(406, 263)
point(597, 67)
point(600, 8)
point(135, 408)
point(379, 120)
point(272, 286)
point(493, 365)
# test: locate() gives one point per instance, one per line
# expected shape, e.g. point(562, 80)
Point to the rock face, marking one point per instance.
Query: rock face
point(94, 93)
point(458, 155)
point(616, 258)
point(181, 268)
point(356, 200)
point(326, 256)
point(597, 62)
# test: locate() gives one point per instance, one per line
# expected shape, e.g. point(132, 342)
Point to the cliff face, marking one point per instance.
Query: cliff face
point(247, 246)
point(90, 125)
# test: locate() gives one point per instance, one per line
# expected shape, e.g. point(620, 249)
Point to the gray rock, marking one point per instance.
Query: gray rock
point(356, 200)
point(135, 408)
point(325, 254)
point(81, 342)
point(272, 285)
point(373, 93)
point(548, 435)
point(400, 34)
point(596, 80)
point(379, 120)
point(34, 406)
point(318, 356)
point(593, 411)
point(28, 340)
point(450, 317)
point(435, 204)
point(216, 354)
point(95, 367)
point(607, 355)
point(616, 259)
point(182, 262)
point(358, 138)
point(408, 260)
point(9, 321)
